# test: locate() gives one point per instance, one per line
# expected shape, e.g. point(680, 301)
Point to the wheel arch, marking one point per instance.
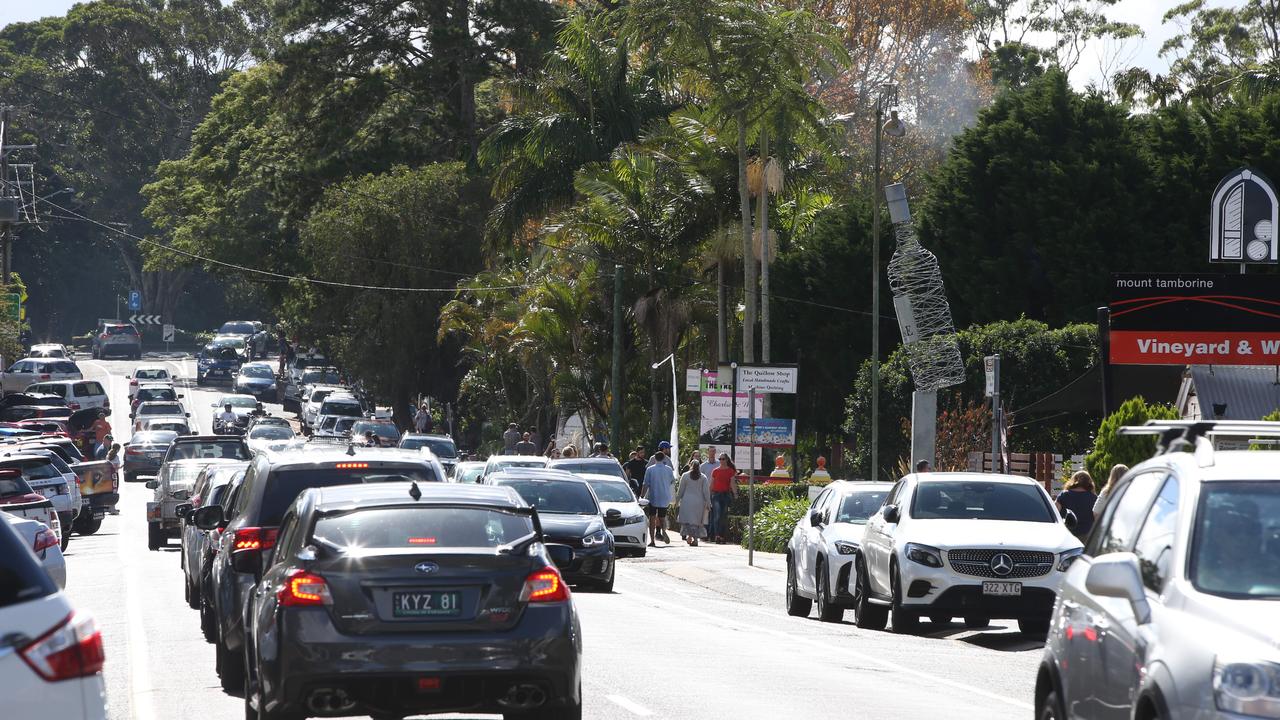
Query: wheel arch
point(1047, 681)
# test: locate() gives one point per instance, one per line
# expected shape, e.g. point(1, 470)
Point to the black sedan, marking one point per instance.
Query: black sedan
point(570, 515)
point(399, 599)
point(145, 452)
point(257, 379)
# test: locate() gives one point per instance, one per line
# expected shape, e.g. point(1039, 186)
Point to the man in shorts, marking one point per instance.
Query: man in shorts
point(659, 479)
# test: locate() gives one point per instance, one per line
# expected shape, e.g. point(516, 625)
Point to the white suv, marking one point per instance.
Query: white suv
point(1173, 611)
point(963, 544)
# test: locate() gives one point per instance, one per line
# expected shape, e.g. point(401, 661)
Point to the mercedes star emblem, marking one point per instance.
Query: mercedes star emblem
point(426, 568)
point(1002, 564)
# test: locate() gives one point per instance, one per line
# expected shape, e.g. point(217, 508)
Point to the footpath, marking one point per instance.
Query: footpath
point(719, 568)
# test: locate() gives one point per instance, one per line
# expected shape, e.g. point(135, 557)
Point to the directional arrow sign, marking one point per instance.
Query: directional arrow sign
point(144, 319)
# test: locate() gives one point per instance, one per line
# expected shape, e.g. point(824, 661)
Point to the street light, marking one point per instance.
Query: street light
point(886, 97)
point(675, 408)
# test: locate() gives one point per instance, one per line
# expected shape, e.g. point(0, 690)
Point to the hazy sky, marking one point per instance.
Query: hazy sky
point(1145, 13)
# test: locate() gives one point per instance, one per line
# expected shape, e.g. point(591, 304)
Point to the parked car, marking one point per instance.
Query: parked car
point(42, 541)
point(172, 488)
point(29, 371)
point(145, 451)
point(591, 466)
point(441, 445)
point(824, 546)
point(149, 375)
point(155, 409)
point(570, 515)
point(216, 361)
point(99, 483)
point(51, 664)
point(963, 544)
point(630, 527)
point(477, 620)
point(194, 541)
point(19, 413)
point(78, 394)
point(257, 379)
point(19, 499)
point(43, 476)
point(1170, 612)
point(116, 339)
point(49, 350)
point(154, 393)
point(249, 528)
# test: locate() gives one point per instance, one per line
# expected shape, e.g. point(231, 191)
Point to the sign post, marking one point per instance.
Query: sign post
point(751, 482)
point(991, 364)
point(166, 335)
point(135, 301)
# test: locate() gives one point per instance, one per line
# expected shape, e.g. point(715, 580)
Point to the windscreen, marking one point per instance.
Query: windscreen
point(342, 409)
point(121, 330)
point(555, 496)
point(597, 467)
point(425, 527)
point(497, 465)
point(381, 429)
point(48, 353)
point(284, 486)
point(149, 395)
point(858, 507)
point(468, 475)
point(236, 328)
point(271, 432)
point(182, 475)
point(160, 409)
point(209, 449)
point(61, 367)
point(240, 401)
point(159, 437)
point(14, 486)
point(980, 501)
point(321, 377)
point(257, 371)
point(33, 469)
point(174, 426)
point(441, 447)
point(609, 491)
point(152, 374)
point(22, 578)
point(1236, 543)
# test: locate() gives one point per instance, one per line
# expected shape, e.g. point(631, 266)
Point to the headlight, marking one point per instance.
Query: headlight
point(1247, 688)
point(634, 519)
point(924, 555)
point(599, 538)
point(1065, 559)
point(846, 548)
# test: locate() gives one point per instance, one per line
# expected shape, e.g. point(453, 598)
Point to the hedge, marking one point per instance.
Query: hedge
point(775, 523)
point(766, 495)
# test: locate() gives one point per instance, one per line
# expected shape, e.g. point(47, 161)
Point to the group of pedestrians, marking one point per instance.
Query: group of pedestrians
point(1079, 497)
point(703, 493)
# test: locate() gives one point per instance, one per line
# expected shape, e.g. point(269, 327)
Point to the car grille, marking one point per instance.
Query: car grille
point(1026, 563)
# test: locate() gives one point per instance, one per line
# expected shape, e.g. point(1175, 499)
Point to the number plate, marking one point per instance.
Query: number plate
point(1002, 588)
point(426, 604)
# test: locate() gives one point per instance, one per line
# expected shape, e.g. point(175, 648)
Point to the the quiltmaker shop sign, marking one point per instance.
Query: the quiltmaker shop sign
point(1195, 319)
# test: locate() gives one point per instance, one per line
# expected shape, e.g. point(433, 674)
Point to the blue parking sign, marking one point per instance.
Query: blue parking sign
point(135, 300)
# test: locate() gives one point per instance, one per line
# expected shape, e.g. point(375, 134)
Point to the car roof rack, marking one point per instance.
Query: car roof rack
point(1197, 435)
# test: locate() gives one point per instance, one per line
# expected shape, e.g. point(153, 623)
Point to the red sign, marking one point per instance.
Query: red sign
point(1167, 347)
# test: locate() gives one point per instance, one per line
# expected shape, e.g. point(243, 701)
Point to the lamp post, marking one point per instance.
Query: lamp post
point(675, 408)
point(886, 97)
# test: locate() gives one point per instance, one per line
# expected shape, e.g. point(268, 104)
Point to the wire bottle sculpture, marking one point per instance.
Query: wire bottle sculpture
point(920, 300)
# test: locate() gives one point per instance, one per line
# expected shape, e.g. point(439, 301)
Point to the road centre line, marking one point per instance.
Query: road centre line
point(140, 686)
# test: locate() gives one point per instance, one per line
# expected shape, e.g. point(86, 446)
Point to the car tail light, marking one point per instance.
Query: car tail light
point(302, 588)
point(253, 538)
point(351, 466)
point(73, 405)
point(45, 376)
point(45, 539)
point(543, 586)
point(72, 649)
point(103, 336)
point(132, 451)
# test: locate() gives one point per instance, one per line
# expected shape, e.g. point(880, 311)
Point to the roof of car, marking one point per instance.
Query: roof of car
point(543, 474)
point(9, 457)
point(523, 458)
point(397, 493)
point(970, 477)
point(140, 368)
point(600, 477)
point(318, 453)
point(188, 439)
point(1227, 465)
point(860, 485)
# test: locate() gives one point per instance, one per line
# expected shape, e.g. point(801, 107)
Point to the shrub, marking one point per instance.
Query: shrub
point(775, 523)
point(766, 495)
point(1112, 448)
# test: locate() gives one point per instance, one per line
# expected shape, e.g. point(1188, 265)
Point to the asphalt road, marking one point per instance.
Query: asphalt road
point(688, 633)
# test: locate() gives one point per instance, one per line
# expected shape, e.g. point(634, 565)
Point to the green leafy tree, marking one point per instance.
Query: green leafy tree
point(1112, 448)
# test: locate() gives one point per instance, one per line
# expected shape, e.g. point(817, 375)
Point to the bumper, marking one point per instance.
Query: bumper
point(258, 391)
point(633, 536)
point(381, 674)
point(591, 564)
point(142, 466)
point(119, 349)
point(1034, 603)
point(163, 514)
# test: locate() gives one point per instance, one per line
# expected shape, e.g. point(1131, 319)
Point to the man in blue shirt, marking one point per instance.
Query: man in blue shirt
point(658, 481)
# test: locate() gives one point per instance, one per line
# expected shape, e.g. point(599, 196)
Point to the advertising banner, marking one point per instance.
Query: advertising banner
point(716, 425)
point(1195, 319)
point(770, 432)
point(768, 378)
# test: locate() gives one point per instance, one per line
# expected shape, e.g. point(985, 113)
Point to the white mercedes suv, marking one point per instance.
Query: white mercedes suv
point(970, 545)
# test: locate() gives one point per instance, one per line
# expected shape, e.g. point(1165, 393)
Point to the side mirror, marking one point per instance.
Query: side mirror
point(180, 396)
point(643, 502)
point(181, 494)
point(182, 510)
point(613, 518)
point(153, 484)
point(815, 518)
point(613, 513)
point(561, 555)
point(1070, 520)
point(892, 514)
point(245, 561)
point(187, 414)
point(1118, 575)
point(131, 416)
point(208, 517)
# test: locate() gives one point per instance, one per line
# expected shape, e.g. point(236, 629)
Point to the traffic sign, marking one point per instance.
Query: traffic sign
point(166, 334)
point(135, 300)
point(144, 319)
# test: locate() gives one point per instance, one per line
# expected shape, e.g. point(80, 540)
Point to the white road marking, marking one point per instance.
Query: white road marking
point(140, 688)
point(629, 705)
point(870, 660)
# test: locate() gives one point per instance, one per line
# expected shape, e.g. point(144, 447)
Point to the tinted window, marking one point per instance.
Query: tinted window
point(440, 446)
point(121, 330)
point(230, 449)
point(33, 469)
point(271, 432)
point(235, 328)
point(14, 486)
point(600, 467)
point(381, 429)
point(323, 377)
point(428, 527)
point(151, 374)
point(857, 507)
point(342, 409)
point(163, 437)
point(284, 486)
point(1155, 541)
point(572, 498)
point(1235, 549)
point(1123, 514)
point(161, 409)
point(150, 395)
point(257, 371)
point(618, 492)
point(981, 501)
point(22, 578)
point(240, 401)
point(894, 492)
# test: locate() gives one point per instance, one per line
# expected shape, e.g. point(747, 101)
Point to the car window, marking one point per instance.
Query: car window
point(440, 447)
point(288, 529)
point(1154, 547)
point(231, 449)
point(33, 469)
point(857, 507)
point(423, 527)
point(240, 401)
point(95, 388)
point(256, 371)
point(980, 500)
point(894, 492)
point(151, 374)
point(570, 498)
point(160, 409)
point(121, 330)
point(1123, 514)
point(22, 578)
point(284, 486)
point(819, 501)
point(14, 486)
point(612, 491)
point(343, 408)
point(1235, 549)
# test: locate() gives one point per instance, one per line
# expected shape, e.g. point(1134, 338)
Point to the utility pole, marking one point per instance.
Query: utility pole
point(763, 223)
point(615, 404)
point(8, 207)
point(875, 297)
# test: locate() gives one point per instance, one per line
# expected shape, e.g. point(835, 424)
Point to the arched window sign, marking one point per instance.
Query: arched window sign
point(1243, 220)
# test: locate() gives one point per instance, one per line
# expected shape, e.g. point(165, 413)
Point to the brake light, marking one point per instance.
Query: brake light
point(71, 649)
point(103, 336)
point(302, 588)
point(545, 585)
point(351, 466)
point(73, 405)
point(252, 538)
point(132, 451)
point(422, 541)
point(133, 382)
point(45, 376)
point(45, 539)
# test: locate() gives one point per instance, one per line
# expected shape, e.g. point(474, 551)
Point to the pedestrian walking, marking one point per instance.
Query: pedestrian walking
point(422, 419)
point(1078, 497)
point(535, 437)
point(569, 451)
point(552, 451)
point(113, 456)
point(104, 447)
point(635, 467)
point(923, 467)
point(724, 488)
point(526, 446)
point(510, 438)
point(658, 481)
point(707, 467)
point(1117, 472)
point(694, 499)
point(664, 448)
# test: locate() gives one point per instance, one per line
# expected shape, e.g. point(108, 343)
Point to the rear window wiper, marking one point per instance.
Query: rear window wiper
point(518, 545)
